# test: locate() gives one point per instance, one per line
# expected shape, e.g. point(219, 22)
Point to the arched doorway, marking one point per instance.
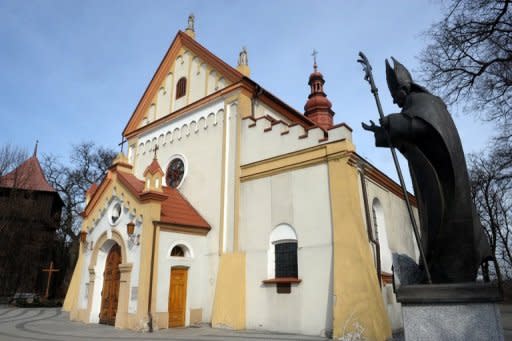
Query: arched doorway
point(110, 291)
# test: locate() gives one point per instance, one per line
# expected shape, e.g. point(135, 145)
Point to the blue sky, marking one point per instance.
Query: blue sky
point(74, 71)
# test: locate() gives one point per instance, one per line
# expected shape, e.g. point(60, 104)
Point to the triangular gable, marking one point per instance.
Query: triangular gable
point(175, 207)
point(181, 41)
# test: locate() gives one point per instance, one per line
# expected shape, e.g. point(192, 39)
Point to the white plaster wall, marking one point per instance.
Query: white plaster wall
point(398, 232)
point(101, 226)
point(198, 137)
point(258, 144)
point(163, 102)
point(212, 82)
point(181, 68)
point(260, 109)
point(229, 177)
point(299, 198)
point(198, 284)
point(197, 80)
point(396, 237)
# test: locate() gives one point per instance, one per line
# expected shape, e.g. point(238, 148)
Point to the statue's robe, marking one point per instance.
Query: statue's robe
point(452, 236)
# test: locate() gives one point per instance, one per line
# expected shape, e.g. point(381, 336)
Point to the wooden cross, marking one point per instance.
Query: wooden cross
point(121, 144)
point(49, 270)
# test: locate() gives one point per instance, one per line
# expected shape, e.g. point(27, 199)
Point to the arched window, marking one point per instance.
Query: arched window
point(283, 248)
point(177, 251)
point(379, 234)
point(181, 87)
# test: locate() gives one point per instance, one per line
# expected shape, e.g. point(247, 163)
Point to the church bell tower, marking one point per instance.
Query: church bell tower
point(318, 107)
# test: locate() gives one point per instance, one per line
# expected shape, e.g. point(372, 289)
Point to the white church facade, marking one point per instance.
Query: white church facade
point(234, 209)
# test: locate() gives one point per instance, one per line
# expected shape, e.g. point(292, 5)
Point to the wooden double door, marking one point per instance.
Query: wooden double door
point(110, 292)
point(178, 297)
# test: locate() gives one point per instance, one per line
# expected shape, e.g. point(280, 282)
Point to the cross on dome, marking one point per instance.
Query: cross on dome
point(314, 54)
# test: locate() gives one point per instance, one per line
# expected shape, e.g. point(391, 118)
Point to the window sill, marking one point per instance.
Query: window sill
point(282, 280)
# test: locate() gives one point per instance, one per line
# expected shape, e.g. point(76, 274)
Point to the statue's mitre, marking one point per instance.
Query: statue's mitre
point(397, 77)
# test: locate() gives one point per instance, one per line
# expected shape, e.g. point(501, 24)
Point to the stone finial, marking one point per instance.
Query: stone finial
point(243, 62)
point(190, 30)
point(242, 57)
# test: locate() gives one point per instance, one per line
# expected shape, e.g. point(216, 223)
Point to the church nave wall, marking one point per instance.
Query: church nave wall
point(299, 199)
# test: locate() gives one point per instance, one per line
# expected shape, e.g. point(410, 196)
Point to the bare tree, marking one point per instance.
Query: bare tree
point(492, 194)
point(87, 165)
point(470, 57)
point(11, 157)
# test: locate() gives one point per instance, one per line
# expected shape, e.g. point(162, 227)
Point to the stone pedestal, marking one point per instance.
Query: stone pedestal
point(465, 311)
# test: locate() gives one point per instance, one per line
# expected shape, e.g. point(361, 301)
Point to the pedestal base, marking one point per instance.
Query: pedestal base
point(465, 312)
point(464, 322)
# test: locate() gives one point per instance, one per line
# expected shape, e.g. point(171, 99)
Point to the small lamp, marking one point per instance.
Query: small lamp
point(83, 236)
point(130, 228)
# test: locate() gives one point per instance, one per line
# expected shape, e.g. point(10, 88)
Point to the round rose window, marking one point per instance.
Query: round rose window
point(175, 173)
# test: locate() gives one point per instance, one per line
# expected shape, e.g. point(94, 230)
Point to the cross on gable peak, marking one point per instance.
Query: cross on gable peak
point(155, 149)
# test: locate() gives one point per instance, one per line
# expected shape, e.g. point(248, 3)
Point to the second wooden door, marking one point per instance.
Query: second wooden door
point(178, 297)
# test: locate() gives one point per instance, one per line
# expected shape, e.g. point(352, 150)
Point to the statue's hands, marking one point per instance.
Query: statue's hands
point(372, 127)
point(379, 131)
point(384, 122)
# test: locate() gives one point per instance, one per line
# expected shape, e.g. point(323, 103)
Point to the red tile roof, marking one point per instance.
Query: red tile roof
point(133, 184)
point(90, 192)
point(29, 176)
point(175, 208)
point(153, 168)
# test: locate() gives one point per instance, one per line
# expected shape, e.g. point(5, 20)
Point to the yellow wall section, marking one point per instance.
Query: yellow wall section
point(229, 302)
point(356, 289)
point(74, 285)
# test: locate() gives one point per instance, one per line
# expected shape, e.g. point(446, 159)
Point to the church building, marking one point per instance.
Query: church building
point(234, 209)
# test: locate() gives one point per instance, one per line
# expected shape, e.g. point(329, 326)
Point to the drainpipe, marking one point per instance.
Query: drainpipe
point(257, 92)
point(150, 322)
point(369, 220)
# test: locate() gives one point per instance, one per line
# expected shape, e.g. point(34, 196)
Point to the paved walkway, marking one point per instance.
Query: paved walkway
point(52, 324)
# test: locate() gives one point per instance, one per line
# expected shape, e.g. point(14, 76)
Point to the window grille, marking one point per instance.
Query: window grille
point(286, 259)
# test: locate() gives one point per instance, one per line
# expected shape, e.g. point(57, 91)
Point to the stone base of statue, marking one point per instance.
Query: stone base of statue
point(465, 311)
point(460, 311)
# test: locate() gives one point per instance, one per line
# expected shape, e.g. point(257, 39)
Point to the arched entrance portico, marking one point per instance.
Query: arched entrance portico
point(104, 283)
